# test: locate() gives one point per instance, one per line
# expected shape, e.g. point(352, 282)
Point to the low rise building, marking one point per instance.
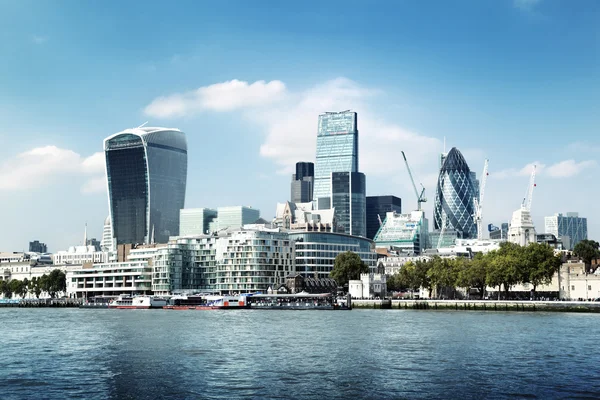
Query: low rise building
point(370, 285)
point(77, 255)
point(110, 279)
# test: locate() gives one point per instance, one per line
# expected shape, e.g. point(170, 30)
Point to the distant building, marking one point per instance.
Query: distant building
point(569, 229)
point(195, 221)
point(106, 244)
point(404, 233)
point(297, 283)
point(303, 181)
point(550, 240)
point(449, 237)
point(315, 252)
point(95, 243)
point(370, 285)
point(521, 230)
point(349, 200)
point(38, 247)
point(498, 233)
point(233, 217)
point(453, 205)
point(337, 151)
point(303, 217)
point(377, 208)
point(146, 170)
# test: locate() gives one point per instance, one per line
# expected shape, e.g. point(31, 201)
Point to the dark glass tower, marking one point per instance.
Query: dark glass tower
point(301, 188)
point(454, 196)
point(147, 171)
point(380, 205)
point(348, 198)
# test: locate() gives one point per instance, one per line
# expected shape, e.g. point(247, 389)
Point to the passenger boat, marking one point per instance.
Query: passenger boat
point(97, 302)
point(206, 302)
point(298, 301)
point(138, 302)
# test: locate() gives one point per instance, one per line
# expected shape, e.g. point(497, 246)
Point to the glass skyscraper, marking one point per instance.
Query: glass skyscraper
point(337, 151)
point(301, 188)
point(349, 201)
point(571, 229)
point(454, 197)
point(380, 206)
point(147, 171)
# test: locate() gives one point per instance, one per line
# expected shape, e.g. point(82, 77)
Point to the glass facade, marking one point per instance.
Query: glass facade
point(195, 221)
point(147, 171)
point(234, 217)
point(301, 188)
point(454, 197)
point(404, 232)
point(316, 251)
point(380, 206)
point(348, 199)
point(337, 149)
point(571, 228)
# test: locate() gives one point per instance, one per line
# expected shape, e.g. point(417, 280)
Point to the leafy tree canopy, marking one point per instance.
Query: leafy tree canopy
point(348, 266)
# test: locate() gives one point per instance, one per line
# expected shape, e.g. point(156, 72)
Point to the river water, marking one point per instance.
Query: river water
point(253, 354)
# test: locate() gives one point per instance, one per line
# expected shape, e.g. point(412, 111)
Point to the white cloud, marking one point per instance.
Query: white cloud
point(41, 165)
point(514, 172)
point(569, 168)
point(526, 5)
point(37, 39)
point(225, 96)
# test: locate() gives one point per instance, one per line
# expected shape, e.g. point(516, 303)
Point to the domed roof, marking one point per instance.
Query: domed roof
point(107, 221)
point(455, 162)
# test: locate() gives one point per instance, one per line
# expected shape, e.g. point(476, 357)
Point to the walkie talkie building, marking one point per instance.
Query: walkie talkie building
point(147, 171)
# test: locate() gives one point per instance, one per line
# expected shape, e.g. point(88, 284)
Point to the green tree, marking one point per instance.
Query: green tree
point(5, 289)
point(34, 287)
point(56, 283)
point(442, 273)
point(473, 274)
point(347, 266)
point(540, 264)
point(24, 288)
point(16, 286)
point(587, 250)
point(43, 283)
point(408, 277)
point(393, 283)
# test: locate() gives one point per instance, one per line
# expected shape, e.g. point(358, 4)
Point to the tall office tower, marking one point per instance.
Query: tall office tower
point(106, 244)
point(38, 247)
point(349, 201)
point(377, 208)
point(195, 221)
point(337, 151)
point(475, 181)
point(147, 171)
point(233, 217)
point(570, 229)
point(453, 206)
point(302, 183)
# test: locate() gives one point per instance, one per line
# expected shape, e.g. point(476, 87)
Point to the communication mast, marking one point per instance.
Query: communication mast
point(420, 197)
point(478, 203)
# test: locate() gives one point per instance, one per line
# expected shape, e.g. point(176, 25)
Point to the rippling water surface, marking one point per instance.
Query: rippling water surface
point(361, 354)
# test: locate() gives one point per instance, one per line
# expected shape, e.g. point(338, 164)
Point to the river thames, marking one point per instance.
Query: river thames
point(251, 354)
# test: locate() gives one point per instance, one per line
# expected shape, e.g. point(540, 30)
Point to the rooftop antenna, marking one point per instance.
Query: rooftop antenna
point(142, 125)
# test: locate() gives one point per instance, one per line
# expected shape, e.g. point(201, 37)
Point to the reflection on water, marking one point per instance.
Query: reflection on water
point(367, 354)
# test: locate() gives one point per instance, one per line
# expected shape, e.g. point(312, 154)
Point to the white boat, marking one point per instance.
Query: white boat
point(138, 302)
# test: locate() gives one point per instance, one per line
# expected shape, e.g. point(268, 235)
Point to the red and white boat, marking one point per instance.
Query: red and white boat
point(138, 302)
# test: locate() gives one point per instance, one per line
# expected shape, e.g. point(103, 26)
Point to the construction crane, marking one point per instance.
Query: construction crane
point(478, 203)
point(420, 197)
point(529, 195)
point(379, 219)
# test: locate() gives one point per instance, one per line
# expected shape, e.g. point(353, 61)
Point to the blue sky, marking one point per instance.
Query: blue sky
point(517, 82)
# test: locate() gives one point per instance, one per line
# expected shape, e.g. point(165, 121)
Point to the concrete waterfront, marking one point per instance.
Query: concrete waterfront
point(480, 305)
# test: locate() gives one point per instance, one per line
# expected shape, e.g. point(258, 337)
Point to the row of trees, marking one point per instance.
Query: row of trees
point(506, 267)
point(52, 284)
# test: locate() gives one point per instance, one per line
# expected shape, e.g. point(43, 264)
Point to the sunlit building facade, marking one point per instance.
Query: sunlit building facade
point(453, 206)
point(337, 151)
point(404, 233)
point(147, 171)
point(570, 229)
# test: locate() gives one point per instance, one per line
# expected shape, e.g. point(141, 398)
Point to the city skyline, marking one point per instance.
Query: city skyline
point(523, 97)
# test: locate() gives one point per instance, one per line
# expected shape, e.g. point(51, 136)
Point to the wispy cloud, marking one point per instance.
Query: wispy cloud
point(581, 147)
point(569, 168)
point(42, 165)
point(562, 169)
point(226, 96)
point(526, 5)
point(37, 39)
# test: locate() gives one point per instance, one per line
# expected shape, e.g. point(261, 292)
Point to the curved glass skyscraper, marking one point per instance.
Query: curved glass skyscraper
point(453, 205)
point(147, 171)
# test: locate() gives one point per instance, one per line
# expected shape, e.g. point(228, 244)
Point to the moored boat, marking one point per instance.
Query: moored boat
point(138, 302)
point(206, 302)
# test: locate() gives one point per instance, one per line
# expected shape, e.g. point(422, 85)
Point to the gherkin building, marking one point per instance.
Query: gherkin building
point(453, 205)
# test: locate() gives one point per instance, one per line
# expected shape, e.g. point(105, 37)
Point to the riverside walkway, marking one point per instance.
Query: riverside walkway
point(480, 305)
